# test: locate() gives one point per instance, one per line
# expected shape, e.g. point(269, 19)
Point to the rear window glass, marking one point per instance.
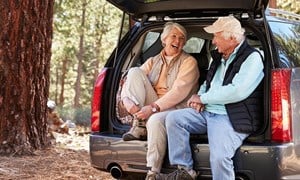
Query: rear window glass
point(193, 44)
point(150, 39)
point(287, 41)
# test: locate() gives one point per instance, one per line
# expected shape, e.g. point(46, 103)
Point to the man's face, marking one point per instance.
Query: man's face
point(224, 45)
point(174, 42)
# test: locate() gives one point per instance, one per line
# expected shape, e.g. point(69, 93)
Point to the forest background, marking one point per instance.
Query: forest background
point(85, 32)
point(82, 34)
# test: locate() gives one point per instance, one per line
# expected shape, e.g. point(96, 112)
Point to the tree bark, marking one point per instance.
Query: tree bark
point(25, 52)
point(273, 4)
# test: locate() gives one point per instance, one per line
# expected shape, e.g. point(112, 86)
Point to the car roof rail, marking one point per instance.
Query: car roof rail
point(285, 14)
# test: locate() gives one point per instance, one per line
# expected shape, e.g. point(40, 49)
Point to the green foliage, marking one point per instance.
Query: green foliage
point(102, 22)
point(82, 116)
point(289, 5)
point(289, 45)
point(79, 116)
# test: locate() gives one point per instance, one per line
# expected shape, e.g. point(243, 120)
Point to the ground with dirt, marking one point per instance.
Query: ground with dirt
point(67, 159)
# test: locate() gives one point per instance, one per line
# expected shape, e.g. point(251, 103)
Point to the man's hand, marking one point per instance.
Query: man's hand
point(195, 103)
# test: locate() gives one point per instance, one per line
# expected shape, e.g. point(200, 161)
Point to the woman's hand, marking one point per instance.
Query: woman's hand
point(144, 113)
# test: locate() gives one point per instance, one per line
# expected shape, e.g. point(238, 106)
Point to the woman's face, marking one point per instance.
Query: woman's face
point(174, 42)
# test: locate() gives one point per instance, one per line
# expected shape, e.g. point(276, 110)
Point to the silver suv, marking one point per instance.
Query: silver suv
point(271, 153)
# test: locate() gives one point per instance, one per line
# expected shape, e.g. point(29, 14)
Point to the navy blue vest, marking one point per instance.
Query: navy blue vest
point(247, 115)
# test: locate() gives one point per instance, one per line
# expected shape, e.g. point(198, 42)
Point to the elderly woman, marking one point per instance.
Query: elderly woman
point(163, 83)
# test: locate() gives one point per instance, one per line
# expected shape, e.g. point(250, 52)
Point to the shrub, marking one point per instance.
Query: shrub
point(79, 116)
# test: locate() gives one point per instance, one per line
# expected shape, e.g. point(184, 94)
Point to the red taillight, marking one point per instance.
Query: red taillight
point(281, 105)
point(96, 101)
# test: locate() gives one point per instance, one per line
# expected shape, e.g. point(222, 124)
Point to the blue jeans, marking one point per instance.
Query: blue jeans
point(223, 140)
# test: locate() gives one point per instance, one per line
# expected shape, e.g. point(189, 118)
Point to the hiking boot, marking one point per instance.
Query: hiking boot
point(138, 131)
point(151, 175)
point(179, 174)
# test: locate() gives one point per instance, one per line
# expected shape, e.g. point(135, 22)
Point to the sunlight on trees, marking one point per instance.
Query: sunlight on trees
point(101, 25)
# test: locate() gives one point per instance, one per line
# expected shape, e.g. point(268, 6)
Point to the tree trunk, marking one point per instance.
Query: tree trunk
point(273, 4)
point(101, 30)
point(80, 58)
point(62, 80)
point(97, 48)
point(25, 51)
point(56, 84)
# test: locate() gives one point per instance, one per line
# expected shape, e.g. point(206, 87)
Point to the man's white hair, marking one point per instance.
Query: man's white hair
point(239, 37)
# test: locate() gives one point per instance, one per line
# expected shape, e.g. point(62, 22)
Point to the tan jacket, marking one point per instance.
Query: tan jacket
point(181, 78)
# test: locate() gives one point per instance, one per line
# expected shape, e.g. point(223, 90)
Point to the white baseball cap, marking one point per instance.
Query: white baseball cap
point(228, 24)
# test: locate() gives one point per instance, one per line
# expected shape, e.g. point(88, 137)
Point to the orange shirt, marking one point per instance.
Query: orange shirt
point(185, 84)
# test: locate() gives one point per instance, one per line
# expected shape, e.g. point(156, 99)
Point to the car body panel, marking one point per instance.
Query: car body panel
point(259, 158)
point(295, 105)
point(275, 160)
point(139, 8)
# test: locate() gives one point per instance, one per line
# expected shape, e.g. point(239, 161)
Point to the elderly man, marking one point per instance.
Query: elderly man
point(227, 106)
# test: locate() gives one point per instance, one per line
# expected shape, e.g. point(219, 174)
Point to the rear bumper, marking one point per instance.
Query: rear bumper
point(256, 161)
point(107, 151)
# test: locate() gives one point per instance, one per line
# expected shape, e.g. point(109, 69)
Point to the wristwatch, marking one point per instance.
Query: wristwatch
point(154, 110)
point(154, 107)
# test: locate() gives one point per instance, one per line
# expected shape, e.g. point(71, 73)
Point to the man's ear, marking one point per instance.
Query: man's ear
point(233, 40)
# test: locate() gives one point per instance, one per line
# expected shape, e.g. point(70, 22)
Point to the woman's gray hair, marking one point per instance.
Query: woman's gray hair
point(168, 28)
